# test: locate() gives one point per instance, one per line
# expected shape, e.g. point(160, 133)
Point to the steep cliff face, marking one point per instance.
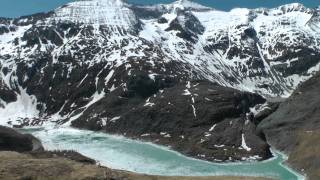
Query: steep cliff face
point(61, 67)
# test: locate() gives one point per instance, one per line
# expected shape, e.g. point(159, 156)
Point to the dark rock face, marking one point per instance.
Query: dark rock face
point(11, 140)
point(198, 118)
point(6, 94)
point(264, 110)
point(297, 122)
point(187, 25)
point(4, 29)
point(162, 20)
point(299, 112)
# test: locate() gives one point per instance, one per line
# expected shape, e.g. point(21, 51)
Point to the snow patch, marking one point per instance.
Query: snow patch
point(24, 107)
point(186, 92)
point(244, 145)
point(212, 128)
point(194, 111)
point(115, 119)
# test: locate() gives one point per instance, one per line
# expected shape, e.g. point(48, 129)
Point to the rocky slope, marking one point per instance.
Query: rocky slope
point(199, 118)
point(170, 73)
point(297, 122)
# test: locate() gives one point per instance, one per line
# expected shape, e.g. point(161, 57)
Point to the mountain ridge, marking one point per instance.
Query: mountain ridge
point(60, 67)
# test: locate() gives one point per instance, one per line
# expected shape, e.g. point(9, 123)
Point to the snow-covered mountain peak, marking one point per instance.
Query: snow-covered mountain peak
point(179, 5)
point(314, 22)
point(188, 4)
point(293, 7)
point(102, 12)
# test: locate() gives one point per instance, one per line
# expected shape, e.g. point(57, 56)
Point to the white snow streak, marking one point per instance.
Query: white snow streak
point(244, 145)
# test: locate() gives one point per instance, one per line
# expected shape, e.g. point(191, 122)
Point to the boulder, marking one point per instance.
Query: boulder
point(11, 140)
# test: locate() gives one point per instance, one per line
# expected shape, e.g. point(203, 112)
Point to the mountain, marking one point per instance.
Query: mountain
point(296, 121)
point(170, 73)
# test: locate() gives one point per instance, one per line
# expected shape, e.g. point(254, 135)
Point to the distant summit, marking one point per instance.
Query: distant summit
point(111, 12)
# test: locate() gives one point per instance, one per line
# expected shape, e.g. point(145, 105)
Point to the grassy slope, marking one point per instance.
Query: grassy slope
point(306, 155)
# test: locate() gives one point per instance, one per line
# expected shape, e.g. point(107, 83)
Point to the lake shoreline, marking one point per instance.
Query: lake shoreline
point(29, 160)
point(99, 135)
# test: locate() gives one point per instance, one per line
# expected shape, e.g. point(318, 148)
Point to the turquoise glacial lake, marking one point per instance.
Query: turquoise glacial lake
point(122, 153)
